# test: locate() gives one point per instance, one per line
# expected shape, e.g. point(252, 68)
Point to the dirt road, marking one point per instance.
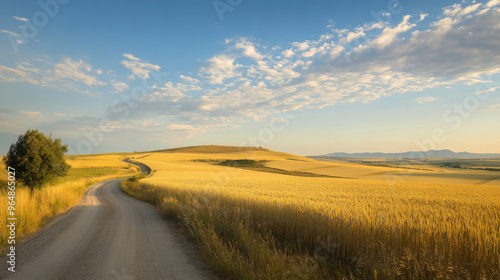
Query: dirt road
point(109, 235)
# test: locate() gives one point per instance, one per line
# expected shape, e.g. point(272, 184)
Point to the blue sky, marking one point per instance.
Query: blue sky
point(306, 77)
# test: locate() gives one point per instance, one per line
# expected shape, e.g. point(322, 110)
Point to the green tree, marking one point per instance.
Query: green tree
point(38, 160)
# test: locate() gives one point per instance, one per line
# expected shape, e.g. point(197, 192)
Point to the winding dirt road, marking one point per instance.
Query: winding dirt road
point(108, 235)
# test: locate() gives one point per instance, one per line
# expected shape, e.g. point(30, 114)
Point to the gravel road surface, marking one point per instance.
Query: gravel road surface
point(108, 235)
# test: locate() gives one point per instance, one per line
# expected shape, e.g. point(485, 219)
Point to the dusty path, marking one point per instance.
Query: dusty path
point(108, 235)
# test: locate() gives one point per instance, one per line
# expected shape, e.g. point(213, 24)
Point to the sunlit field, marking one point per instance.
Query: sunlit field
point(390, 172)
point(260, 225)
point(33, 210)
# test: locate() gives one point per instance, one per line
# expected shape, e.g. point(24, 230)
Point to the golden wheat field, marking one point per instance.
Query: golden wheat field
point(33, 210)
point(379, 223)
point(417, 173)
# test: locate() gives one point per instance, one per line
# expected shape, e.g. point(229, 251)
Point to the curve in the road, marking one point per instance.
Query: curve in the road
point(146, 170)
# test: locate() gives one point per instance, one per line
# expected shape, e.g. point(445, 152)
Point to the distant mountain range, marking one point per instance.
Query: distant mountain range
point(415, 154)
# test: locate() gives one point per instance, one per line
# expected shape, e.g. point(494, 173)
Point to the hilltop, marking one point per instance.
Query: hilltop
point(210, 149)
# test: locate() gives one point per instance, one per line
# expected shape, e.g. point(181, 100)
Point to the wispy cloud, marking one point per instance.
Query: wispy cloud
point(130, 56)
point(76, 71)
point(220, 68)
point(390, 34)
point(424, 99)
point(487, 90)
point(139, 68)
point(180, 127)
point(288, 53)
point(65, 75)
point(190, 79)
point(120, 86)
point(8, 74)
point(20, 18)
point(11, 33)
point(248, 48)
point(495, 107)
point(18, 38)
point(32, 114)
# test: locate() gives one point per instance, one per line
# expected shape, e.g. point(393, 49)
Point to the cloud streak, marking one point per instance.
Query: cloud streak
point(67, 75)
point(76, 71)
point(20, 18)
point(424, 99)
point(139, 68)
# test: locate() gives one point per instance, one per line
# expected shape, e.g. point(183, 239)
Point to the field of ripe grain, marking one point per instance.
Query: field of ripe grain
point(403, 173)
point(256, 225)
point(33, 210)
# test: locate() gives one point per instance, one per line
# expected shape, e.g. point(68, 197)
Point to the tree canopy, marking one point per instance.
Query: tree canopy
point(38, 160)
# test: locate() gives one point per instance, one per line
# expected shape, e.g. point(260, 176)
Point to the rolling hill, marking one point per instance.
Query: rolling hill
point(415, 154)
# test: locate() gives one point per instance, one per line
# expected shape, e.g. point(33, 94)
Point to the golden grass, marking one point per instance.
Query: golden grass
point(33, 210)
point(255, 225)
point(414, 173)
point(182, 157)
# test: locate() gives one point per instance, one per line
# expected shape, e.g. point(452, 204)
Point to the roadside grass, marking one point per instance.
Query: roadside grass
point(256, 225)
point(34, 210)
point(232, 247)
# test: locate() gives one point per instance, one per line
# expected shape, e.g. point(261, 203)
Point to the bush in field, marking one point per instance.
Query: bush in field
point(37, 160)
point(242, 163)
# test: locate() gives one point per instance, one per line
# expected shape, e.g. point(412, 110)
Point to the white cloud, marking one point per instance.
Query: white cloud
point(492, 3)
point(220, 68)
point(424, 99)
point(248, 48)
point(337, 51)
point(389, 34)
point(139, 68)
point(458, 10)
point(130, 56)
point(77, 71)
point(180, 127)
point(32, 114)
point(65, 75)
point(120, 86)
point(495, 107)
point(146, 124)
point(8, 74)
point(171, 92)
point(310, 52)
point(20, 18)
point(351, 36)
point(487, 90)
point(374, 25)
point(301, 46)
point(287, 53)
point(27, 67)
point(17, 37)
point(185, 131)
point(11, 33)
point(190, 79)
